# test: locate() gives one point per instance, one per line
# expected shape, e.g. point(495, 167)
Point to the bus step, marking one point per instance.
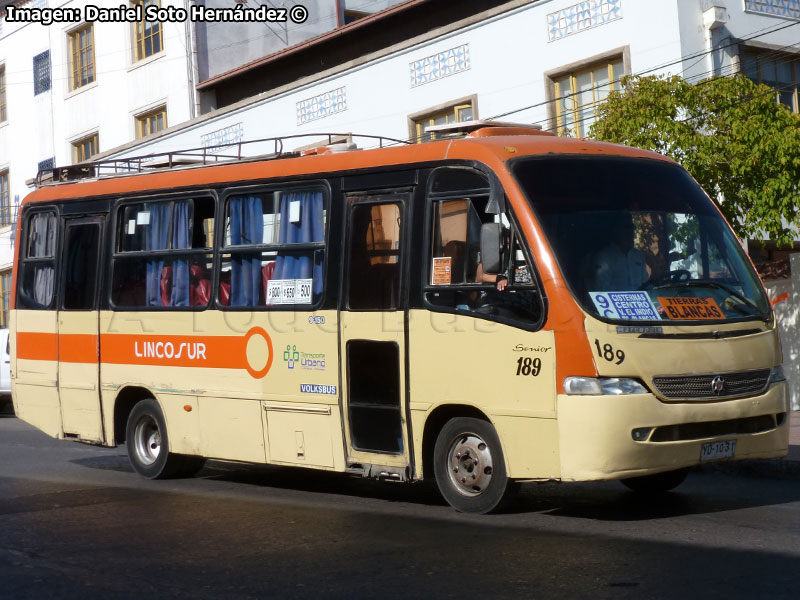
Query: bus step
point(381, 472)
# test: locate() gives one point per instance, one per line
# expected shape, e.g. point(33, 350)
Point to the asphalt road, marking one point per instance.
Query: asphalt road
point(75, 521)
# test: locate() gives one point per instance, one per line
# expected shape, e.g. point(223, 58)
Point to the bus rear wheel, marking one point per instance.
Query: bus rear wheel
point(469, 467)
point(148, 445)
point(658, 483)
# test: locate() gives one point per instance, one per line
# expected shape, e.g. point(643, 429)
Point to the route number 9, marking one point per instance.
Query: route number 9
point(605, 305)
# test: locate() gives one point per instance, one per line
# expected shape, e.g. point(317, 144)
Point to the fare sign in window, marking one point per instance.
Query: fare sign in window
point(289, 291)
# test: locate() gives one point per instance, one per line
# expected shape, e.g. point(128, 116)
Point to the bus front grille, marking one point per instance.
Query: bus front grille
point(712, 385)
point(710, 429)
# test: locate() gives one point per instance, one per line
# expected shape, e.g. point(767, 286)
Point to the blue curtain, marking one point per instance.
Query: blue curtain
point(309, 229)
point(246, 227)
point(180, 268)
point(156, 238)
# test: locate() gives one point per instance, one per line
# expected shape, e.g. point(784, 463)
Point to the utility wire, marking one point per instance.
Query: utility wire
point(730, 69)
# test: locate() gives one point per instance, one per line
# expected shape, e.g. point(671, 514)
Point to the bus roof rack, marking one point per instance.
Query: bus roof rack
point(467, 127)
point(271, 148)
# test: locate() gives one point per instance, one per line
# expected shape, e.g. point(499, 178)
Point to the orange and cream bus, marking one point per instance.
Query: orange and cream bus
point(490, 307)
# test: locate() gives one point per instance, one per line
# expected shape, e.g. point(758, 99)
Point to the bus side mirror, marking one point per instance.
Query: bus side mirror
point(491, 238)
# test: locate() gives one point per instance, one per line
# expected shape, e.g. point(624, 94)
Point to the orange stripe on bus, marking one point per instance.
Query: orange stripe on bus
point(219, 352)
point(77, 347)
point(37, 346)
point(216, 352)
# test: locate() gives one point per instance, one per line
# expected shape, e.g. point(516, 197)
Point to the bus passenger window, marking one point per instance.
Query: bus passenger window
point(273, 249)
point(80, 265)
point(37, 277)
point(163, 254)
point(375, 257)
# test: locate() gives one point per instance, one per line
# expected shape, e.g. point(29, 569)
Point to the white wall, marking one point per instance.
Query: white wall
point(509, 56)
point(44, 126)
point(787, 313)
point(738, 27)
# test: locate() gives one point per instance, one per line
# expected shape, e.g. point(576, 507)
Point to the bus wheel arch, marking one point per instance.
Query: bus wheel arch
point(123, 405)
point(140, 416)
point(433, 426)
point(462, 438)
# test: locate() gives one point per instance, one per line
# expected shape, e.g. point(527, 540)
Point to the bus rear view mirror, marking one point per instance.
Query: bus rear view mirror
point(491, 235)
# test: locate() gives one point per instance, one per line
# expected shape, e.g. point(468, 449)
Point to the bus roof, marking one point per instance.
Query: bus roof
point(490, 145)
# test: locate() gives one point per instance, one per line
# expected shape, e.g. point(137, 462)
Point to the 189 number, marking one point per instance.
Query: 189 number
point(529, 366)
point(607, 352)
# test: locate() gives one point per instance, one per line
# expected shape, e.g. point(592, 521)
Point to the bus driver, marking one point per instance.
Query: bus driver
point(619, 265)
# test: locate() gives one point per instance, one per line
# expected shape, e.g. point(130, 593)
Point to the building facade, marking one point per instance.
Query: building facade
point(71, 90)
point(387, 68)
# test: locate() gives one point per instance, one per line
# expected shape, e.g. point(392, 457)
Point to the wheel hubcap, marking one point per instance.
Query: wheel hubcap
point(147, 440)
point(470, 464)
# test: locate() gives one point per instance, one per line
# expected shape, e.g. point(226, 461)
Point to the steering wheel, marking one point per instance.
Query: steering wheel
point(675, 276)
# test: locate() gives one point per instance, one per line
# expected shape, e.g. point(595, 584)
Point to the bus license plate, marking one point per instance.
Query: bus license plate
point(716, 450)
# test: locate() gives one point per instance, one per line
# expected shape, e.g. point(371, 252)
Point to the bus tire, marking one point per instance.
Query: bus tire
point(658, 483)
point(147, 442)
point(469, 467)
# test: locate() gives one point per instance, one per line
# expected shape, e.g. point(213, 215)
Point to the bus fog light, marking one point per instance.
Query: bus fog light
point(641, 434)
point(600, 386)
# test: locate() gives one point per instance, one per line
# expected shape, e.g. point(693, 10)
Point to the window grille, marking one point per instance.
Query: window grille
point(41, 73)
point(46, 165)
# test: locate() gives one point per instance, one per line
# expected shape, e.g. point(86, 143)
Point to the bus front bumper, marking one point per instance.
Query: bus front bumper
point(596, 432)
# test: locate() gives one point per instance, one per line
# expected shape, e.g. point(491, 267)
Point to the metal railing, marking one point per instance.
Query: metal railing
point(199, 156)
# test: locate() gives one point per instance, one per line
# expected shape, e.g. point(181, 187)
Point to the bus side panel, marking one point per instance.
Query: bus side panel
point(35, 378)
point(251, 381)
point(78, 375)
point(505, 372)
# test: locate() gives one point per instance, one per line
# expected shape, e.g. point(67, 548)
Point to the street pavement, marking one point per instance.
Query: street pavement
point(77, 522)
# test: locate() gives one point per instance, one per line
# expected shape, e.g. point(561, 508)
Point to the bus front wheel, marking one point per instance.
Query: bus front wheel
point(469, 467)
point(148, 444)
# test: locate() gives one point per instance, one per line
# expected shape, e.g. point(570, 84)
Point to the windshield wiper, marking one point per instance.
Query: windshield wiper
point(711, 283)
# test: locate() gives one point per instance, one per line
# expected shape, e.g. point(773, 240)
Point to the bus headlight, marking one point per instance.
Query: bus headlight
point(777, 374)
point(601, 386)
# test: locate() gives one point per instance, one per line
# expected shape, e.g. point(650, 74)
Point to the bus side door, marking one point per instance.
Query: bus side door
point(78, 329)
point(372, 326)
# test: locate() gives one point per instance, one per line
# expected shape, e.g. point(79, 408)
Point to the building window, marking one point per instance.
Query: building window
point(3, 110)
point(579, 95)
point(5, 296)
point(41, 72)
point(5, 200)
point(85, 148)
point(149, 39)
point(779, 72)
point(457, 113)
point(151, 122)
point(81, 49)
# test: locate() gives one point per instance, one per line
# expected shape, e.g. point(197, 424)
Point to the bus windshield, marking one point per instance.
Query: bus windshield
point(638, 240)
